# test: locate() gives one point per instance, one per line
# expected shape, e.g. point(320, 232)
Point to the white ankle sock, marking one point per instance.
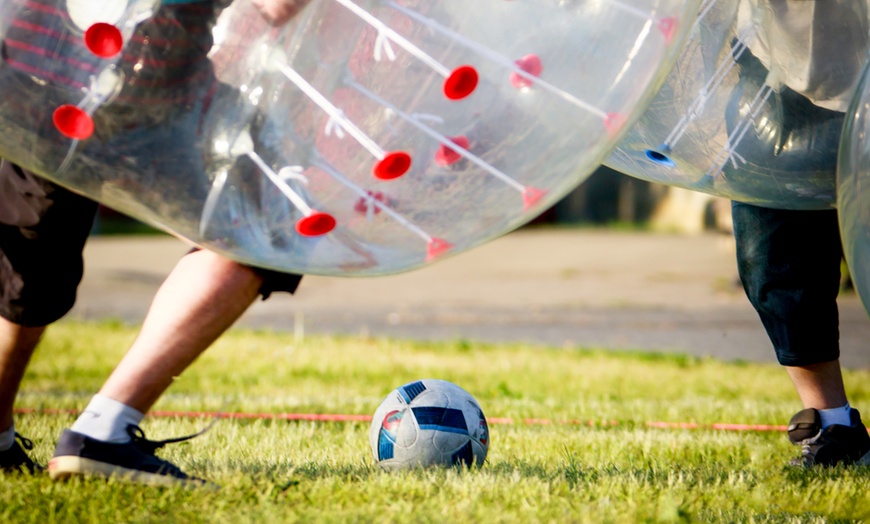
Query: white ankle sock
point(7, 438)
point(107, 420)
point(841, 416)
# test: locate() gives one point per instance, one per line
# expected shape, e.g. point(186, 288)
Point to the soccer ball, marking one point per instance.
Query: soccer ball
point(429, 423)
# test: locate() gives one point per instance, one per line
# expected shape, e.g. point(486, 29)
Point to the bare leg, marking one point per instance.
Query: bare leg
point(202, 297)
point(819, 386)
point(17, 344)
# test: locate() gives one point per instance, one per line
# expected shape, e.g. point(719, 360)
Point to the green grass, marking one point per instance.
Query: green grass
point(280, 471)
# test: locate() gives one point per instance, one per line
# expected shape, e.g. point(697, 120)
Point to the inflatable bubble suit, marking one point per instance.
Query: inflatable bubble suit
point(754, 107)
point(361, 137)
point(853, 189)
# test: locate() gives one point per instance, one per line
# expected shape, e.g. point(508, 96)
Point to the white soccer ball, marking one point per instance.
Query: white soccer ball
point(429, 423)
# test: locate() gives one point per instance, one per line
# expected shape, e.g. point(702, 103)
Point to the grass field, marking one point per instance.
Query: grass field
point(599, 460)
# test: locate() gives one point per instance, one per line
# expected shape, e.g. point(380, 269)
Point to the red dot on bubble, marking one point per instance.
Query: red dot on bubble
point(531, 196)
point(461, 83)
point(437, 247)
point(614, 122)
point(365, 203)
point(73, 122)
point(530, 64)
point(668, 26)
point(104, 40)
point(393, 165)
point(446, 155)
point(315, 224)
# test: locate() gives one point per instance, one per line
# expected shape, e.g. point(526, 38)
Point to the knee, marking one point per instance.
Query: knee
point(218, 268)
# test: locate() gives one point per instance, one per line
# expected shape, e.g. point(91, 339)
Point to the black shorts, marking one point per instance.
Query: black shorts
point(789, 264)
point(43, 229)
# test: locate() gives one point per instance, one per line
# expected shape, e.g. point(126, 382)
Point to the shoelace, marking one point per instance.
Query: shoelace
point(26, 443)
point(151, 446)
point(812, 440)
point(807, 452)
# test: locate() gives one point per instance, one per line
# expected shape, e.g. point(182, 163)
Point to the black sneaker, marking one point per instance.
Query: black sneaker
point(15, 459)
point(833, 445)
point(133, 461)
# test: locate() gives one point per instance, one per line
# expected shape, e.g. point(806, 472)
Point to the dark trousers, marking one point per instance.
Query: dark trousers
point(789, 264)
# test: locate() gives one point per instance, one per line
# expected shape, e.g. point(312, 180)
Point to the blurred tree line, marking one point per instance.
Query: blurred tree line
point(606, 198)
point(609, 198)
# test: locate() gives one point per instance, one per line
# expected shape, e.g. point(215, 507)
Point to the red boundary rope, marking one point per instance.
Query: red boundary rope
point(328, 417)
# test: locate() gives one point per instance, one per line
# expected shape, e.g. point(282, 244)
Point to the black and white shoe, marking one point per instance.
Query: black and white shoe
point(836, 444)
point(134, 461)
point(15, 459)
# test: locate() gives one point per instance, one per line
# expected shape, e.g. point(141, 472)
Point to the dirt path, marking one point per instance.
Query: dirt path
point(559, 287)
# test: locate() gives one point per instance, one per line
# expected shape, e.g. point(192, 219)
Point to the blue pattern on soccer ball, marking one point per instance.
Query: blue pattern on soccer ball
point(387, 435)
point(464, 456)
point(410, 391)
point(440, 419)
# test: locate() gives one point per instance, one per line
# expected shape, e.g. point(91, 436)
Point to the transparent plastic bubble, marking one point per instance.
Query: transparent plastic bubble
point(753, 110)
point(853, 189)
point(363, 137)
